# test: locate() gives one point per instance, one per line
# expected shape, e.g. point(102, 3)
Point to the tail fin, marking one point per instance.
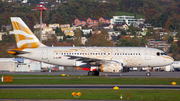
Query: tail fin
point(24, 36)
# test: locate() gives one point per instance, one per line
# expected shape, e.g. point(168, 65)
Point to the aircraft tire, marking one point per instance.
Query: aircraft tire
point(148, 74)
point(96, 73)
point(91, 73)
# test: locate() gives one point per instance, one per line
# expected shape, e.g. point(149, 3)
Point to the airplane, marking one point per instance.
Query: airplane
point(95, 59)
point(176, 65)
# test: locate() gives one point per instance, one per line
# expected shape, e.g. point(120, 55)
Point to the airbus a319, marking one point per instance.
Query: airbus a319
point(95, 59)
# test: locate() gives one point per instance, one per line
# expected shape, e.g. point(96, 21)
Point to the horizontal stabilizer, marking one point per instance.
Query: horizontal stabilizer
point(16, 52)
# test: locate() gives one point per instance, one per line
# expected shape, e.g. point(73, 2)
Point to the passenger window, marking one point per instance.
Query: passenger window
point(61, 53)
point(117, 53)
point(104, 53)
point(108, 53)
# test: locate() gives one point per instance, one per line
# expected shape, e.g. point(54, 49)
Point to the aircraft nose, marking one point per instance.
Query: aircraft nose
point(170, 60)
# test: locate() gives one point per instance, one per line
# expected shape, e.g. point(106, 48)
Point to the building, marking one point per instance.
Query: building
point(38, 26)
point(106, 26)
point(5, 28)
point(22, 65)
point(105, 20)
point(2, 33)
point(64, 26)
point(79, 22)
point(122, 26)
point(158, 44)
point(127, 19)
point(83, 40)
point(92, 22)
point(54, 26)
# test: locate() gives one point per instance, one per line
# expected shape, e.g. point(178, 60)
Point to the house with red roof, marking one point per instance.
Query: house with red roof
point(92, 21)
point(79, 22)
point(105, 20)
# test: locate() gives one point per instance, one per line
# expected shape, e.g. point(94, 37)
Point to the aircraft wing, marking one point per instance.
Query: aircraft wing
point(87, 59)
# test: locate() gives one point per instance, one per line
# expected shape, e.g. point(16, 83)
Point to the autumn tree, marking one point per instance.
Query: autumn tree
point(78, 36)
point(149, 15)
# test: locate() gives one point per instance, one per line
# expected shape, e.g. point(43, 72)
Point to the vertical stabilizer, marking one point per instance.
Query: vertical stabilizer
point(24, 36)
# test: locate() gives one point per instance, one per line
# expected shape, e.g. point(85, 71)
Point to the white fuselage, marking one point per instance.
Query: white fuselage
point(176, 64)
point(129, 56)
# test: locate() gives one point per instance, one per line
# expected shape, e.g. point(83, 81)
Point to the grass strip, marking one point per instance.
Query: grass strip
point(150, 95)
point(97, 80)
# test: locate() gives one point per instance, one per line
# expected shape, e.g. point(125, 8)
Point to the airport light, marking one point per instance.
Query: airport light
point(40, 8)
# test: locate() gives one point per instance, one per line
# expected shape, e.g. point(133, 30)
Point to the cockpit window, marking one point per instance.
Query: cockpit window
point(158, 54)
point(164, 53)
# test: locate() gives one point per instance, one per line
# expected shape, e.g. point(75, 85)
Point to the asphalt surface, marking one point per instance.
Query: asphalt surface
point(135, 74)
point(85, 86)
point(80, 72)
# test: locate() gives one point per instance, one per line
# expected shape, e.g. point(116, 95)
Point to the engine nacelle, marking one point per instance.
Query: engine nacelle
point(108, 67)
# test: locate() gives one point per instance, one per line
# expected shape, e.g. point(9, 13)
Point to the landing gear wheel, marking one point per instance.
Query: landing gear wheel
point(91, 73)
point(96, 73)
point(148, 74)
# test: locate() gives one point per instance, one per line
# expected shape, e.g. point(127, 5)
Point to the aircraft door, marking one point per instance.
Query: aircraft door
point(148, 54)
point(44, 54)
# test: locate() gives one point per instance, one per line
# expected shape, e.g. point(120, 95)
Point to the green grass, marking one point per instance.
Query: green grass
point(96, 80)
point(138, 16)
point(96, 94)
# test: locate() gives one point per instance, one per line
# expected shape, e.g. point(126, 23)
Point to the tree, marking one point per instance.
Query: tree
point(8, 38)
point(173, 48)
point(148, 34)
point(132, 30)
point(59, 32)
point(149, 15)
point(78, 36)
point(51, 40)
point(123, 32)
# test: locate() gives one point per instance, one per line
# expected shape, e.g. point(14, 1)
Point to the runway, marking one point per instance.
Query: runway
point(82, 86)
point(80, 72)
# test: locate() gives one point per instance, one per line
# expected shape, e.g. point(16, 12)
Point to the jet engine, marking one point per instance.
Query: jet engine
point(111, 67)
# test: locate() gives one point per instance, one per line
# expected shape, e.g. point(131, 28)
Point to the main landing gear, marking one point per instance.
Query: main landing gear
point(93, 73)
